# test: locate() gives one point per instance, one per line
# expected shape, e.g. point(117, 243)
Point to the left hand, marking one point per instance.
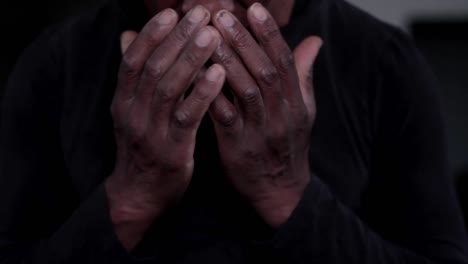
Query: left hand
point(264, 136)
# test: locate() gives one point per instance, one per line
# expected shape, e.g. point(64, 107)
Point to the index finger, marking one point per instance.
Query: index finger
point(254, 58)
point(269, 35)
point(136, 54)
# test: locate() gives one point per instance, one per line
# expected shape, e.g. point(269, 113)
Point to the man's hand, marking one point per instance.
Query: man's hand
point(155, 126)
point(264, 136)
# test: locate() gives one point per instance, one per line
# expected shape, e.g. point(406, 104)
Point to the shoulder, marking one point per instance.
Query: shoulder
point(360, 33)
point(362, 28)
point(356, 38)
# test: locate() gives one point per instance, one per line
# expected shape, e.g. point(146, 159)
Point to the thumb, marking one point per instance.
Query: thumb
point(126, 39)
point(304, 56)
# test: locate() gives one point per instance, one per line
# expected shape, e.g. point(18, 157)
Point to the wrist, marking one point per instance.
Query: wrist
point(127, 204)
point(277, 207)
point(276, 212)
point(130, 218)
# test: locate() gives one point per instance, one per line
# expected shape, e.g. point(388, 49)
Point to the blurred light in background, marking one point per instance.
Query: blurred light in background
point(440, 29)
point(402, 12)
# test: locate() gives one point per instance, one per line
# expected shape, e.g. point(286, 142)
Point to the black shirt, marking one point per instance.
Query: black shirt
point(381, 191)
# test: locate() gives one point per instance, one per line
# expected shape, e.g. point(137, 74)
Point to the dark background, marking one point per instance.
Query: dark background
point(443, 41)
point(22, 21)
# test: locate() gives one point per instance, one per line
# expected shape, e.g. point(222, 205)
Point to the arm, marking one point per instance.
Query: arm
point(412, 199)
point(264, 144)
point(155, 140)
point(41, 221)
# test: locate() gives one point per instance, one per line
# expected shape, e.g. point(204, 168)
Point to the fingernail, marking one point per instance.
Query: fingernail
point(225, 18)
point(166, 17)
point(204, 38)
point(197, 14)
point(259, 12)
point(214, 73)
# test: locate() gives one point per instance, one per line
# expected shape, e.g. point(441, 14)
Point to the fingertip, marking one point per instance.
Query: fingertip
point(315, 42)
point(167, 17)
point(223, 112)
point(198, 14)
point(216, 73)
point(307, 51)
point(216, 34)
point(126, 39)
point(259, 12)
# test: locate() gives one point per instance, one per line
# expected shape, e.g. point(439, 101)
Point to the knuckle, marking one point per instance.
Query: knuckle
point(227, 117)
point(270, 34)
point(182, 34)
point(286, 62)
point(241, 39)
point(153, 71)
point(278, 135)
point(183, 120)
point(129, 66)
point(268, 76)
point(202, 96)
point(251, 95)
point(192, 58)
point(151, 38)
point(164, 94)
point(226, 57)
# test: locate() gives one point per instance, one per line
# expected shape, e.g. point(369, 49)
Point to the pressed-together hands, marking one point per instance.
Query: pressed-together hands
point(263, 135)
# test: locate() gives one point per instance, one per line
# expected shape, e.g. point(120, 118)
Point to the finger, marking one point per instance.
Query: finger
point(254, 58)
point(245, 89)
point(188, 116)
point(269, 35)
point(163, 57)
point(135, 55)
point(178, 78)
point(126, 39)
point(224, 115)
point(305, 55)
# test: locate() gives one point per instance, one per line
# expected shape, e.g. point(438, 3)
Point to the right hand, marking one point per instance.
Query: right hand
point(155, 126)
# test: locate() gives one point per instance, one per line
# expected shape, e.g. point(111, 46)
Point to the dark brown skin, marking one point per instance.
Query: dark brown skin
point(280, 9)
point(263, 137)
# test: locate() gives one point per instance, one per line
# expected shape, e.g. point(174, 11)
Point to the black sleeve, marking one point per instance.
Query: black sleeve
point(412, 214)
point(41, 219)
